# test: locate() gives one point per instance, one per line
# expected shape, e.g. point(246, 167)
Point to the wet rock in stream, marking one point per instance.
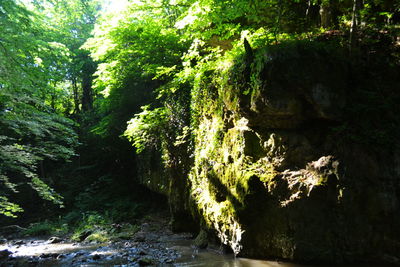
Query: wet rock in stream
point(32, 260)
point(82, 236)
point(61, 256)
point(18, 242)
point(54, 240)
point(4, 254)
point(96, 257)
point(146, 261)
point(49, 255)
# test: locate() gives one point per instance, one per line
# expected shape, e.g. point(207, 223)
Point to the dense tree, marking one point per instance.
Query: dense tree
point(136, 55)
point(148, 61)
point(153, 51)
point(32, 131)
point(71, 24)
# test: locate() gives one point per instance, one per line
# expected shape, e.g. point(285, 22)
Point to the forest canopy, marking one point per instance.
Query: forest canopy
point(77, 73)
point(41, 64)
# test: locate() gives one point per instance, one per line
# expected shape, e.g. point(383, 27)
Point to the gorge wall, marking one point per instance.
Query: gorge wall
point(293, 155)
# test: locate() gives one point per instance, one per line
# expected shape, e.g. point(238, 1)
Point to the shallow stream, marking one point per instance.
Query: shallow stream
point(176, 251)
point(154, 244)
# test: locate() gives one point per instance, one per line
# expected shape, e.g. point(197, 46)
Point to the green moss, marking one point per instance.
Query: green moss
point(223, 171)
point(100, 237)
point(322, 180)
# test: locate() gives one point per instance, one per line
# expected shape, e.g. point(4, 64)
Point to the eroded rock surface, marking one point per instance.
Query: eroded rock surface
point(281, 166)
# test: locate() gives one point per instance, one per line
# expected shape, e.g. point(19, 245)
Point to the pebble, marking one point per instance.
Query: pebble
point(96, 257)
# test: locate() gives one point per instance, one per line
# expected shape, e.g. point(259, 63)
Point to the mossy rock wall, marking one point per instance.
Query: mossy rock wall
point(273, 178)
point(171, 181)
point(287, 161)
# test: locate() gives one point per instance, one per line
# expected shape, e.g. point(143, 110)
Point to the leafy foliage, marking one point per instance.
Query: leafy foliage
point(155, 66)
point(162, 54)
point(144, 130)
point(32, 136)
point(7, 208)
point(32, 133)
point(132, 51)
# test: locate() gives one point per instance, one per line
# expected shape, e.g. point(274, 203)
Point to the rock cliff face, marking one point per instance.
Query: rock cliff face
point(286, 163)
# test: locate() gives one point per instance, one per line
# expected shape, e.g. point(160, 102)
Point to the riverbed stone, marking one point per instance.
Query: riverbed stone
point(145, 261)
point(201, 240)
point(139, 237)
point(169, 261)
point(49, 255)
point(4, 254)
point(96, 256)
point(54, 240)
point(142, 252)
point(18, 242)
point(61, 256)
point(84, 234)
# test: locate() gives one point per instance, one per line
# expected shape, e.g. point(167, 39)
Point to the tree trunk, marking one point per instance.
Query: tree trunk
point(325, 12)
point(87, 99)
point(76, 96)
point(355, 22)
point(308, 8)
point(87, 79)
